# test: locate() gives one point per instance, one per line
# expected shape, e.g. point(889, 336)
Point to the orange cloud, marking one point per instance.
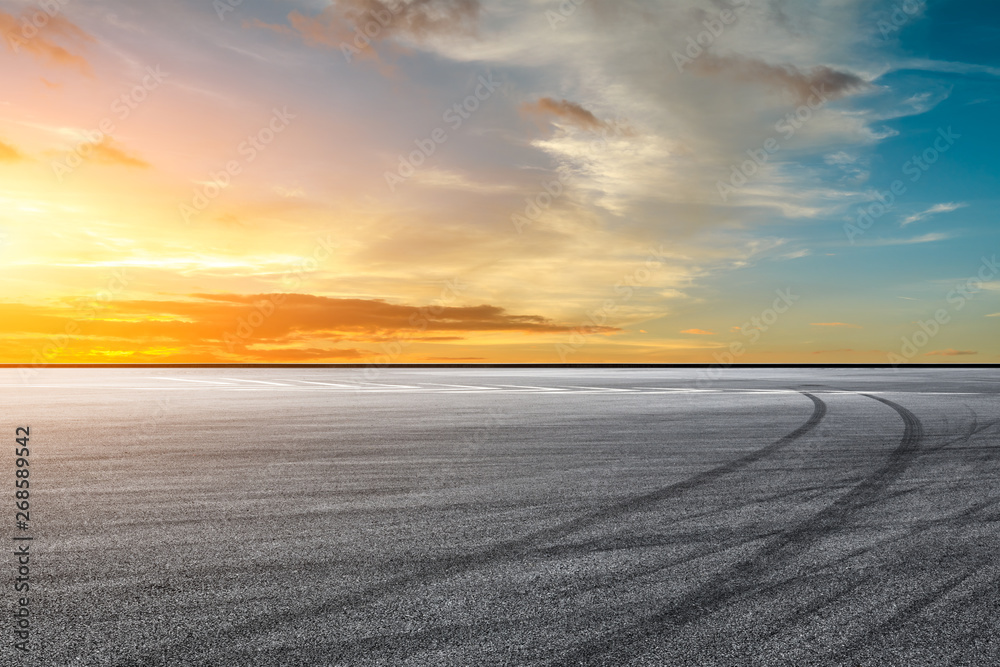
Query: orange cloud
point(297, 355)
point(698, 332)
point(106, 152)
point(822, 82)
point(571, 112)
point(835, 324)
point(951, 353)
point(375, 318)
point(9, 154)
point(37, 32)
point(356, 23)
point(232, 327)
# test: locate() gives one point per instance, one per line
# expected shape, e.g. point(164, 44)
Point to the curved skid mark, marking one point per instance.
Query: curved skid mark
point(904, 615)
point(511, 549)
point(624, 539)
point(674, 490)
point(973, 430)
point(749, 575)
point(984, 595)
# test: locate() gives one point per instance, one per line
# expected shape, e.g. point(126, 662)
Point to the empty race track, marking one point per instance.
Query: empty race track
point(509, 516)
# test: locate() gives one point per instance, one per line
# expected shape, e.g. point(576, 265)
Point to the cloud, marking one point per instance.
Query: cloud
point(951, 353)
point(22, 34)
point(298, 355)
point(933, 210)
point(9, 154)
point(926, 238)
point(854, 167)
point(227, 328)
point(993, 315)
point(568, 111)
point(279, 322)
point(340, 24)
point(289, 193)
point(106, 152)
point(453, 180)
point(302, 312)
point(821, 82)
point(698, 332)
point(835, 324)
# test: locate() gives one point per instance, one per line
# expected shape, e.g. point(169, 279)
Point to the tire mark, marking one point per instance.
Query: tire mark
point(904, 615)
point(672, 491)
point(973, 430)
point(965, 517)
point(602, 581)
point(984, 596)
point(512, 549)
point(749, 575)
point(624, 539)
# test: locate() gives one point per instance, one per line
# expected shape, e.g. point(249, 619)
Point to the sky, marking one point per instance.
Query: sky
point(477, 181)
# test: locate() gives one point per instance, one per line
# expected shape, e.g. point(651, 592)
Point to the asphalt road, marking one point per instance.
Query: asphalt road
point(507, 516)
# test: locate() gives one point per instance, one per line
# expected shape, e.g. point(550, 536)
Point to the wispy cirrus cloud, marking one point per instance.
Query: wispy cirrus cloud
point(57, 42)
point(108, 151)
point(925, 238)
point(341, 22)
point(820, 82)
point(951, 353)
point(933, 210)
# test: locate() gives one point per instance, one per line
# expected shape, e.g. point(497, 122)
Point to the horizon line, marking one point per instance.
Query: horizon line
point(496, 365)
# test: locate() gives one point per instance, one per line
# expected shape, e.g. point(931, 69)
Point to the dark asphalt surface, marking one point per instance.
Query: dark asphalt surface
point(508, 516)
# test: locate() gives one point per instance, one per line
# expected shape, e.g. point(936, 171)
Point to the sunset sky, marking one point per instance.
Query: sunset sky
point(690, 181)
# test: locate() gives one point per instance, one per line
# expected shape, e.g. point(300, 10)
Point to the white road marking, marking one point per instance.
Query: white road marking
point(683, 390)
point(325, 384)
point(519, 386)
point(215, 382)
point(255, 381)
point(602, 389)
